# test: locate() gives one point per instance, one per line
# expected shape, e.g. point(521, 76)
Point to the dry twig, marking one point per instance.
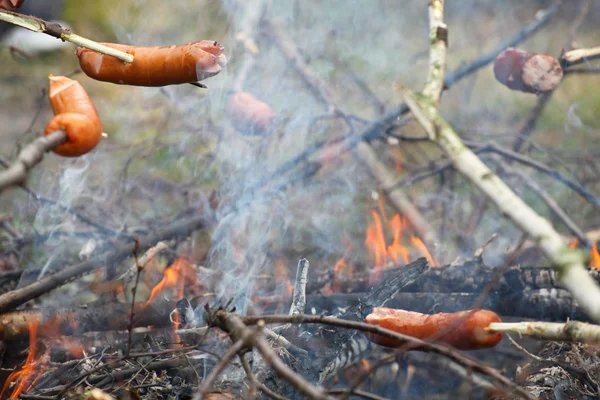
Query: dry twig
point(580, 56)
point(53, 29)
point(443, 350)
point(572, 331)
point(31, 155)
point(15, 298)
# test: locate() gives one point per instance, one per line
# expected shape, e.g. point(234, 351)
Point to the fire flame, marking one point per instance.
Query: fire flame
point(595, 257)
point(282, 276)
point(418, 243)
point(376, 241)
point(594, 253)
point(174, 276)
point(28, 375)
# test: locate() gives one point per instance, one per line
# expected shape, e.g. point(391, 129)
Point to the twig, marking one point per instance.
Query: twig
point(301, 384)
point(31, 155)
point(438, 39)
point(268, 392)
point(139, 269)
point(530, 121)
point(541, 167)
point(142, 261)
point(15, 298)
point(299, 296)
point(366, 153)
point(572, 331)
point(443, 350)
point(549, 200)
point(234, 325)
point(249, 26)
point(36, 24)
point(580, 56)
point(280, 340)
point(568, 263)
point(240, 344)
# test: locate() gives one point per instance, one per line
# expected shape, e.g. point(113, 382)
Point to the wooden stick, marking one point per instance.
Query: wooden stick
point(572, 331)
point(36, 24)
point(9, 301)
point(30, 156)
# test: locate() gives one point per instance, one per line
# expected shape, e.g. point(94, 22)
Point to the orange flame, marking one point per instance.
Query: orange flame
point(396, 250)
point(340, 268)
point(375, 241)
point(595, 257)
point(282, 275)
point(176, 337)
point(418, 243)
point(27, 376)
point(174, 276)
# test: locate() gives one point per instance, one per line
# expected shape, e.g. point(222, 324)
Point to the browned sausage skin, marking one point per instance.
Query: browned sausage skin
point(155, 66)
point(464, 330)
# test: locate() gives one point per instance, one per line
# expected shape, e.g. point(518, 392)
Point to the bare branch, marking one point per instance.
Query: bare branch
point(443, 350)
point(299, 297)
point(438, 37)
point(36, 24)
point(572, 331)
point(31, 155)
point(567, 262)
point(580, 56)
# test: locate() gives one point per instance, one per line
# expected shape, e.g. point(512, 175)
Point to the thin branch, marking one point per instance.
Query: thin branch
point(365, 151)
point(438, 39)
point(30, 156)
point(253, 381)
point(15, 298)
point(530, 121)
point(238, 346)
point(133, 271)
point(236, 328)
point(378, 128)
point(548, 199)
point(299, 296)
point(443, 350)
point(580, 56)
point(567, 262)
point(53, 29)
point(572, 331)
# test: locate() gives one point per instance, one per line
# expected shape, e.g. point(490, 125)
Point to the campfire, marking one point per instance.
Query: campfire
point(280, 203)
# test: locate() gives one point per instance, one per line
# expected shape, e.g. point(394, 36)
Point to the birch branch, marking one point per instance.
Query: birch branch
point(438, 37)
point(568, 263)
point(30, 156)
point(572, 331)
point(299, 297)
point(53, 29)
point(580, 56)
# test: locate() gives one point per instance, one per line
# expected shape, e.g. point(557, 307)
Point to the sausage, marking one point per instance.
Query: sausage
point(526, 71)
point(248, 114)
point(464, 330)
point(155, 66)
point(74, 113)
point(10, 4)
